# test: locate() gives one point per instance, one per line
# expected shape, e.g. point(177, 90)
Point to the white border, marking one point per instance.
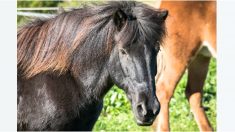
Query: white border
point(8, 77)
point(226, 65)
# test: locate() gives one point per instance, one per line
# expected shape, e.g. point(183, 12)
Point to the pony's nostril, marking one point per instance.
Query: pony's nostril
point(141, 108)
point(144, 109)
point(156, 109)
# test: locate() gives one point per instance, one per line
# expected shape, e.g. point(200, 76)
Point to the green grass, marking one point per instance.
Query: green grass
point(117, 115)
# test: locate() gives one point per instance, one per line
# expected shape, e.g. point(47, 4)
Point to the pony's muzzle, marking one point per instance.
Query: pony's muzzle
point(146, 113)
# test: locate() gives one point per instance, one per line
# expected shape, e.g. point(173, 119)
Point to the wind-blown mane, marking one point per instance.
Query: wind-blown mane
point(47, 45)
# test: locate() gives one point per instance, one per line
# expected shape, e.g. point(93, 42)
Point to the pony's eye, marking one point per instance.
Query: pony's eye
point(123, 51)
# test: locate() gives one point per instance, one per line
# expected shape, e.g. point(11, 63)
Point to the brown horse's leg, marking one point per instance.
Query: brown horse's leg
point(165, 88)
point(197, 72)
point(164, 95)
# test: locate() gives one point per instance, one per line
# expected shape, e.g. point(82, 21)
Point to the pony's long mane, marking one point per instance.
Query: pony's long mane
point(51, 44)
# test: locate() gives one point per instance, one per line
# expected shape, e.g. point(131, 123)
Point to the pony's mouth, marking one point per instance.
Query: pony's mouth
point(146, 123)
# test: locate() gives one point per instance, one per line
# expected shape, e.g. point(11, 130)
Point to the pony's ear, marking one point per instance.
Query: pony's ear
point(162, 14)
point(119, 18)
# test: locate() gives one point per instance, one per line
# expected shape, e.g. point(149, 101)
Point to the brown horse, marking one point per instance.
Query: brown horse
point(190, 43)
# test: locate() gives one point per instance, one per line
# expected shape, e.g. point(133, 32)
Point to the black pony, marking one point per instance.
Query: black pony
point(66, 64)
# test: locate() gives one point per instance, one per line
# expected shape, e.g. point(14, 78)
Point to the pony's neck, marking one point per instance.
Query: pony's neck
point(89, 64)
point(92, 77)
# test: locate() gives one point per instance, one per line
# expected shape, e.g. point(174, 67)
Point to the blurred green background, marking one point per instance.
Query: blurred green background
point(116, 114)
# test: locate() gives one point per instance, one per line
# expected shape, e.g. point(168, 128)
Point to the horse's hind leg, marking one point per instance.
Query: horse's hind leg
point(197, 72)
